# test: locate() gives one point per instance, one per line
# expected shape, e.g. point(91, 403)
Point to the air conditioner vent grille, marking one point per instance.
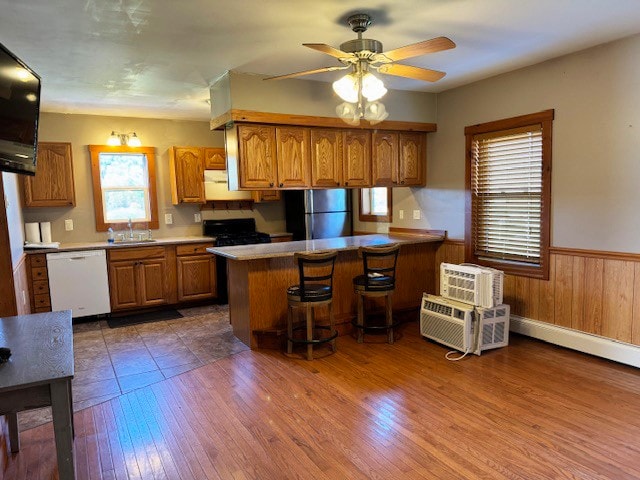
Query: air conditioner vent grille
point(443, 330)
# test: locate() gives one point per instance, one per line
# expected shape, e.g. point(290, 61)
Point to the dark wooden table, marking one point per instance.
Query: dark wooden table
point(39, 374)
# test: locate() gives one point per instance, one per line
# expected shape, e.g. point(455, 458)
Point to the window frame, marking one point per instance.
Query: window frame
point(373, 217)
point(544, 120)
point(101, 224)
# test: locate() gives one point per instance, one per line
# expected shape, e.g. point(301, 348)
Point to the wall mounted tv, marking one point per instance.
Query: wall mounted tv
point(19, 110)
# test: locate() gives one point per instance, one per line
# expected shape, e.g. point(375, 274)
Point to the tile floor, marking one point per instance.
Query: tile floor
point(110, 362)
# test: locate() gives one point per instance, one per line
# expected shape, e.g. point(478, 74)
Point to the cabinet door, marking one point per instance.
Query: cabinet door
point(52, 186)
point(260, 196)
point(384, 159)
point(215, 159)
point(187, 175)
point(122, 285)
point(196, 277)
point(151, 281)
point(326, 158)
point(257, 159)
point(356, 158)
point(412, 164)
point(292, 147)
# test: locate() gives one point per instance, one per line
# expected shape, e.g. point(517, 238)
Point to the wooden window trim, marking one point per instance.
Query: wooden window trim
point(545, 120)
point(101, 225)
point(376, 218)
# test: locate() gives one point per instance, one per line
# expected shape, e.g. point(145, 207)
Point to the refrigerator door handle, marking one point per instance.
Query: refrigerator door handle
point(309, 227)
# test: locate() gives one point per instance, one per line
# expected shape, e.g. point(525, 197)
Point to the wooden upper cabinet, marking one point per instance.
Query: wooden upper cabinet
point(326, 158)
point(412, 159)
point(186, 170)
point(261, 196)
point(384, 159)
point(215, 158)
point(257, 156)
point(52, 186)
point(356, 166)
point(292, 153)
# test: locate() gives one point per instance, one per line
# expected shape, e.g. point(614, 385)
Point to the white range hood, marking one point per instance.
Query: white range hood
point(216, 187)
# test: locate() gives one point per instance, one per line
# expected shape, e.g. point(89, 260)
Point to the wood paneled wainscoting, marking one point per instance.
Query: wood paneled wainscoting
point(588, 291)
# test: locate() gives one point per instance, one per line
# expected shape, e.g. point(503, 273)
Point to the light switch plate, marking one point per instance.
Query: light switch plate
point(401, 214)
point(168, 219)
point(68, 224)
point(416, 214)
point(197, 217)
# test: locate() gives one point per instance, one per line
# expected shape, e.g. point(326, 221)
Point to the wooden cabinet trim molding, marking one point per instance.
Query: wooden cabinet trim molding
point(248, 116)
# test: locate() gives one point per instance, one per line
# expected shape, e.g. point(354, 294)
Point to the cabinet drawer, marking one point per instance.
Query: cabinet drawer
point(40, 286)
point(42, 309)
point(42, 300)
point(193, 249)
point(140, 253)
point(39, 273)
point(38, 260)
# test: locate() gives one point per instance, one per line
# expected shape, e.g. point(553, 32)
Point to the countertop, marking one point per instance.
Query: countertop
point(287, 249)
point(70, 247)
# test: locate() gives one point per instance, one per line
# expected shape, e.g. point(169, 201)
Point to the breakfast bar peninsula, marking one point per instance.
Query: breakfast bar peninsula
point(260, 274)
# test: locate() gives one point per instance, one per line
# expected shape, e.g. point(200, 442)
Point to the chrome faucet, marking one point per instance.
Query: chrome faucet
point(130, 230)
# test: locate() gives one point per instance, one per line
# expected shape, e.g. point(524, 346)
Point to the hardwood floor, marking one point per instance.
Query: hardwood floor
point(527, 411)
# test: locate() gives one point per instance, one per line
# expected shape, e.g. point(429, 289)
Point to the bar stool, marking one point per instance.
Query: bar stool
point(314, 290)
point(378, 280)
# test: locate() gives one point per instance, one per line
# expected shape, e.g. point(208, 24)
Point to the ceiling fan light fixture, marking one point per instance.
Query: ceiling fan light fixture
point(375, 112)
point(347, 88)
point(372, 87)
point(348, 112)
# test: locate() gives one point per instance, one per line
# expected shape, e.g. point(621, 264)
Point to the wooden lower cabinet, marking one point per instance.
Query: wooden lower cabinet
point(138, 277)
point(38, 283)
point(196, 272)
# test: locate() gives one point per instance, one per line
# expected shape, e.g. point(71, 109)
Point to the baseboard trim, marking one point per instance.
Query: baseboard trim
point(575, 340)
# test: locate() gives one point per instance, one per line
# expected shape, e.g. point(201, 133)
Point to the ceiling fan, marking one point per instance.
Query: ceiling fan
point(364, 54)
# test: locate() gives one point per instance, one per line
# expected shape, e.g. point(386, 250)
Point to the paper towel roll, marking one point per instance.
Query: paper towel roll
point(45, 232)
point(32, 232)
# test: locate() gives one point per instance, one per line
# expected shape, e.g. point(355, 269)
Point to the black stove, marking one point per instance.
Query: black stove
point(232, 231)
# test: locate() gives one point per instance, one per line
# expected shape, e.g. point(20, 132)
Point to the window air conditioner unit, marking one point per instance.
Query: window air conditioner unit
point(472, 284)
point(448, 322)
point(463, 327)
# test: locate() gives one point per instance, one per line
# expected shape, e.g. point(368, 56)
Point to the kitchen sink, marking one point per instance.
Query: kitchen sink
point(134, 241)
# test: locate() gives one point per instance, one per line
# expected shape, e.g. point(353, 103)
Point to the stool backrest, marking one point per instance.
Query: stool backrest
point(315, 268)
point(380, 261)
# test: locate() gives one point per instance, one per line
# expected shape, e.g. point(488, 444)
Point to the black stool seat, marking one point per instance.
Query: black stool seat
point(378, 280)
point(315, 289)
point(312, 293)
point(374, 284)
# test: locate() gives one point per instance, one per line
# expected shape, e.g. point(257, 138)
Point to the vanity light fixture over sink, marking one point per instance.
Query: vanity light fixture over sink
point(129, 139)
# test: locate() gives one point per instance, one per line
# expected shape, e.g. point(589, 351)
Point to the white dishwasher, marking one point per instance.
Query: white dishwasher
point(78, 281)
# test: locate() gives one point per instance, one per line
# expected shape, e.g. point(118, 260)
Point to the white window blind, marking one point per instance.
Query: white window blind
point(506, 188)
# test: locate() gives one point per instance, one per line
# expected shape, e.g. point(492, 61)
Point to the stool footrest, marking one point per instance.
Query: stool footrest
point(354, 322)
point(314, 341)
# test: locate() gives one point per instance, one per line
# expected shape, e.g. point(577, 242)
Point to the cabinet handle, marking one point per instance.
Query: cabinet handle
point(337, 183)
point(282, 184)
point(402, 182)
point(271, 184)
point(346, 183)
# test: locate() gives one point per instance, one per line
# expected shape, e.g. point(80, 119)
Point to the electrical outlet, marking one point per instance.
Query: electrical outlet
point(68, 224)
point(24, 298)
point(401, 214)
point(197, 217)
point(168, 219)
point(416, 214)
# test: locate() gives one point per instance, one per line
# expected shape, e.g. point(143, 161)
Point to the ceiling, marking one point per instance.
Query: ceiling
point(156, 58)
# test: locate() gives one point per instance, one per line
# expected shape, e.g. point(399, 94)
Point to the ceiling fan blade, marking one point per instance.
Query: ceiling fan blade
point(408, 71)
point(421, 48)
point(307, 72)
point(328, 49)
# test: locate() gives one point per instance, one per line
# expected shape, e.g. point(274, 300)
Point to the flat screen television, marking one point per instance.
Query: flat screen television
point(19, 111)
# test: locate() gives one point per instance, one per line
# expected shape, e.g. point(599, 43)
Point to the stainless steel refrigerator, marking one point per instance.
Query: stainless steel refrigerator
point(312, 214)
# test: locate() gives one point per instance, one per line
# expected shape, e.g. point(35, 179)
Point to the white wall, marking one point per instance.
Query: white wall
point(14, 215)
point(596, 167)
